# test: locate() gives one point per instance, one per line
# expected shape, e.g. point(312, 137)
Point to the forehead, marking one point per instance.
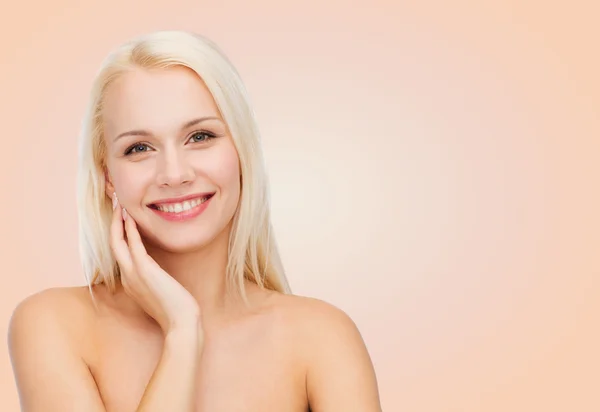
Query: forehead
point(159, 100)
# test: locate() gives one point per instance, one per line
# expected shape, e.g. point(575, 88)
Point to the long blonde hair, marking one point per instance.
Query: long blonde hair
point(253, 253)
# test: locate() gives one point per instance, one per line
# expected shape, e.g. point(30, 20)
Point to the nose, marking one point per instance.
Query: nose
point(173, 169)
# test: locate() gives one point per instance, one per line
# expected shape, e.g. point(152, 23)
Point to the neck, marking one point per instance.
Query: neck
point(203, 273)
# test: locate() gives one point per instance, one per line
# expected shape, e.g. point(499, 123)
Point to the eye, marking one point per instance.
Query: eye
point(201, 136)
point(137, 148)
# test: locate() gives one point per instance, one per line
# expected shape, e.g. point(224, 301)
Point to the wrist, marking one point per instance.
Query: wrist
point(183, 335)
point(189, 325)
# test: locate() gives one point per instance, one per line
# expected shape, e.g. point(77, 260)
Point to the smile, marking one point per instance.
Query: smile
point(181, 207)
point(182, 210)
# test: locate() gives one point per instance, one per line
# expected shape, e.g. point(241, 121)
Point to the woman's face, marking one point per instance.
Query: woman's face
point(170, 157)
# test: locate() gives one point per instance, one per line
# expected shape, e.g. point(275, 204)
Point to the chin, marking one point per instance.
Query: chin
point(183, 241)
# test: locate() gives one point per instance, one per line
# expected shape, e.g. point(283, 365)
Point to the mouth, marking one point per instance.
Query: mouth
point(181, 206)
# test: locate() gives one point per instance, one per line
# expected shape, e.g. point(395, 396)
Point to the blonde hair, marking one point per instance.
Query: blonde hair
point(253, 253)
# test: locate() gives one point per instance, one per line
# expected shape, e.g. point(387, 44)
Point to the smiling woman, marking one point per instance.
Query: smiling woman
point(187, 306)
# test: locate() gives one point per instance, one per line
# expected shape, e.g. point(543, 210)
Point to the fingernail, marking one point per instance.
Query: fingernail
point(114, 200)
point(124, 214)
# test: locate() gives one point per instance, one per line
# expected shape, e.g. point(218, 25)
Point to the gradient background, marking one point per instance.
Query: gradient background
point(434, 173)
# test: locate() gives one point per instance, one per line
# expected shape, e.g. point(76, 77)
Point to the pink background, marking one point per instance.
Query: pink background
point(434, 173)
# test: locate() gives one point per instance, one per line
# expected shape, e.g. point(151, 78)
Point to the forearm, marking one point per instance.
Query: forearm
point(173, 383)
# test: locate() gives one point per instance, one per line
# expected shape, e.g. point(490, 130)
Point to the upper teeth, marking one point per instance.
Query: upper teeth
point(181, 207)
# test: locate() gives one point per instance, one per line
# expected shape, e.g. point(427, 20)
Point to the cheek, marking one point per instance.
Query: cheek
point(130, 181)
point(224, 170)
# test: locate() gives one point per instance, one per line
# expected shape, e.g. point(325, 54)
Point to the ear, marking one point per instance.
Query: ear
point(109, 188)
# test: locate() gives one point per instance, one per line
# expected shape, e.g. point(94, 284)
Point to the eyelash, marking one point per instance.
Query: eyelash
point(208, 136)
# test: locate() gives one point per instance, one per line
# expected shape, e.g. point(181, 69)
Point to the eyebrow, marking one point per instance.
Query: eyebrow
point(141, 132)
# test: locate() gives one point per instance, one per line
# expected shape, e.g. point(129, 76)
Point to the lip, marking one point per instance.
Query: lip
point(183, 215)
point(180, 199)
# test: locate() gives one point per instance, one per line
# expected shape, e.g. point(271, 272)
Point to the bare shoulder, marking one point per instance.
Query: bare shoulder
point(339, 371)
point(61, 307)
point(45, 336)
point(59, 315)
point(310, 325)
point(314, 317)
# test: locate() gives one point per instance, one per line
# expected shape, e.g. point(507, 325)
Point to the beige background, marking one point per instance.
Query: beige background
point(434, 170)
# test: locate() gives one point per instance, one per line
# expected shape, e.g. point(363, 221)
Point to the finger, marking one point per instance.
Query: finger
point(117, 239)
point(142, 261)
point(134, 240)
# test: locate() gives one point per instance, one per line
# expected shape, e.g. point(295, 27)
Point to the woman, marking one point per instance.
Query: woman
point(188, 307)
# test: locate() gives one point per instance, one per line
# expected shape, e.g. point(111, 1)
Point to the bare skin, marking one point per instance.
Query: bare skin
point(171, 338)
point(281, 354)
